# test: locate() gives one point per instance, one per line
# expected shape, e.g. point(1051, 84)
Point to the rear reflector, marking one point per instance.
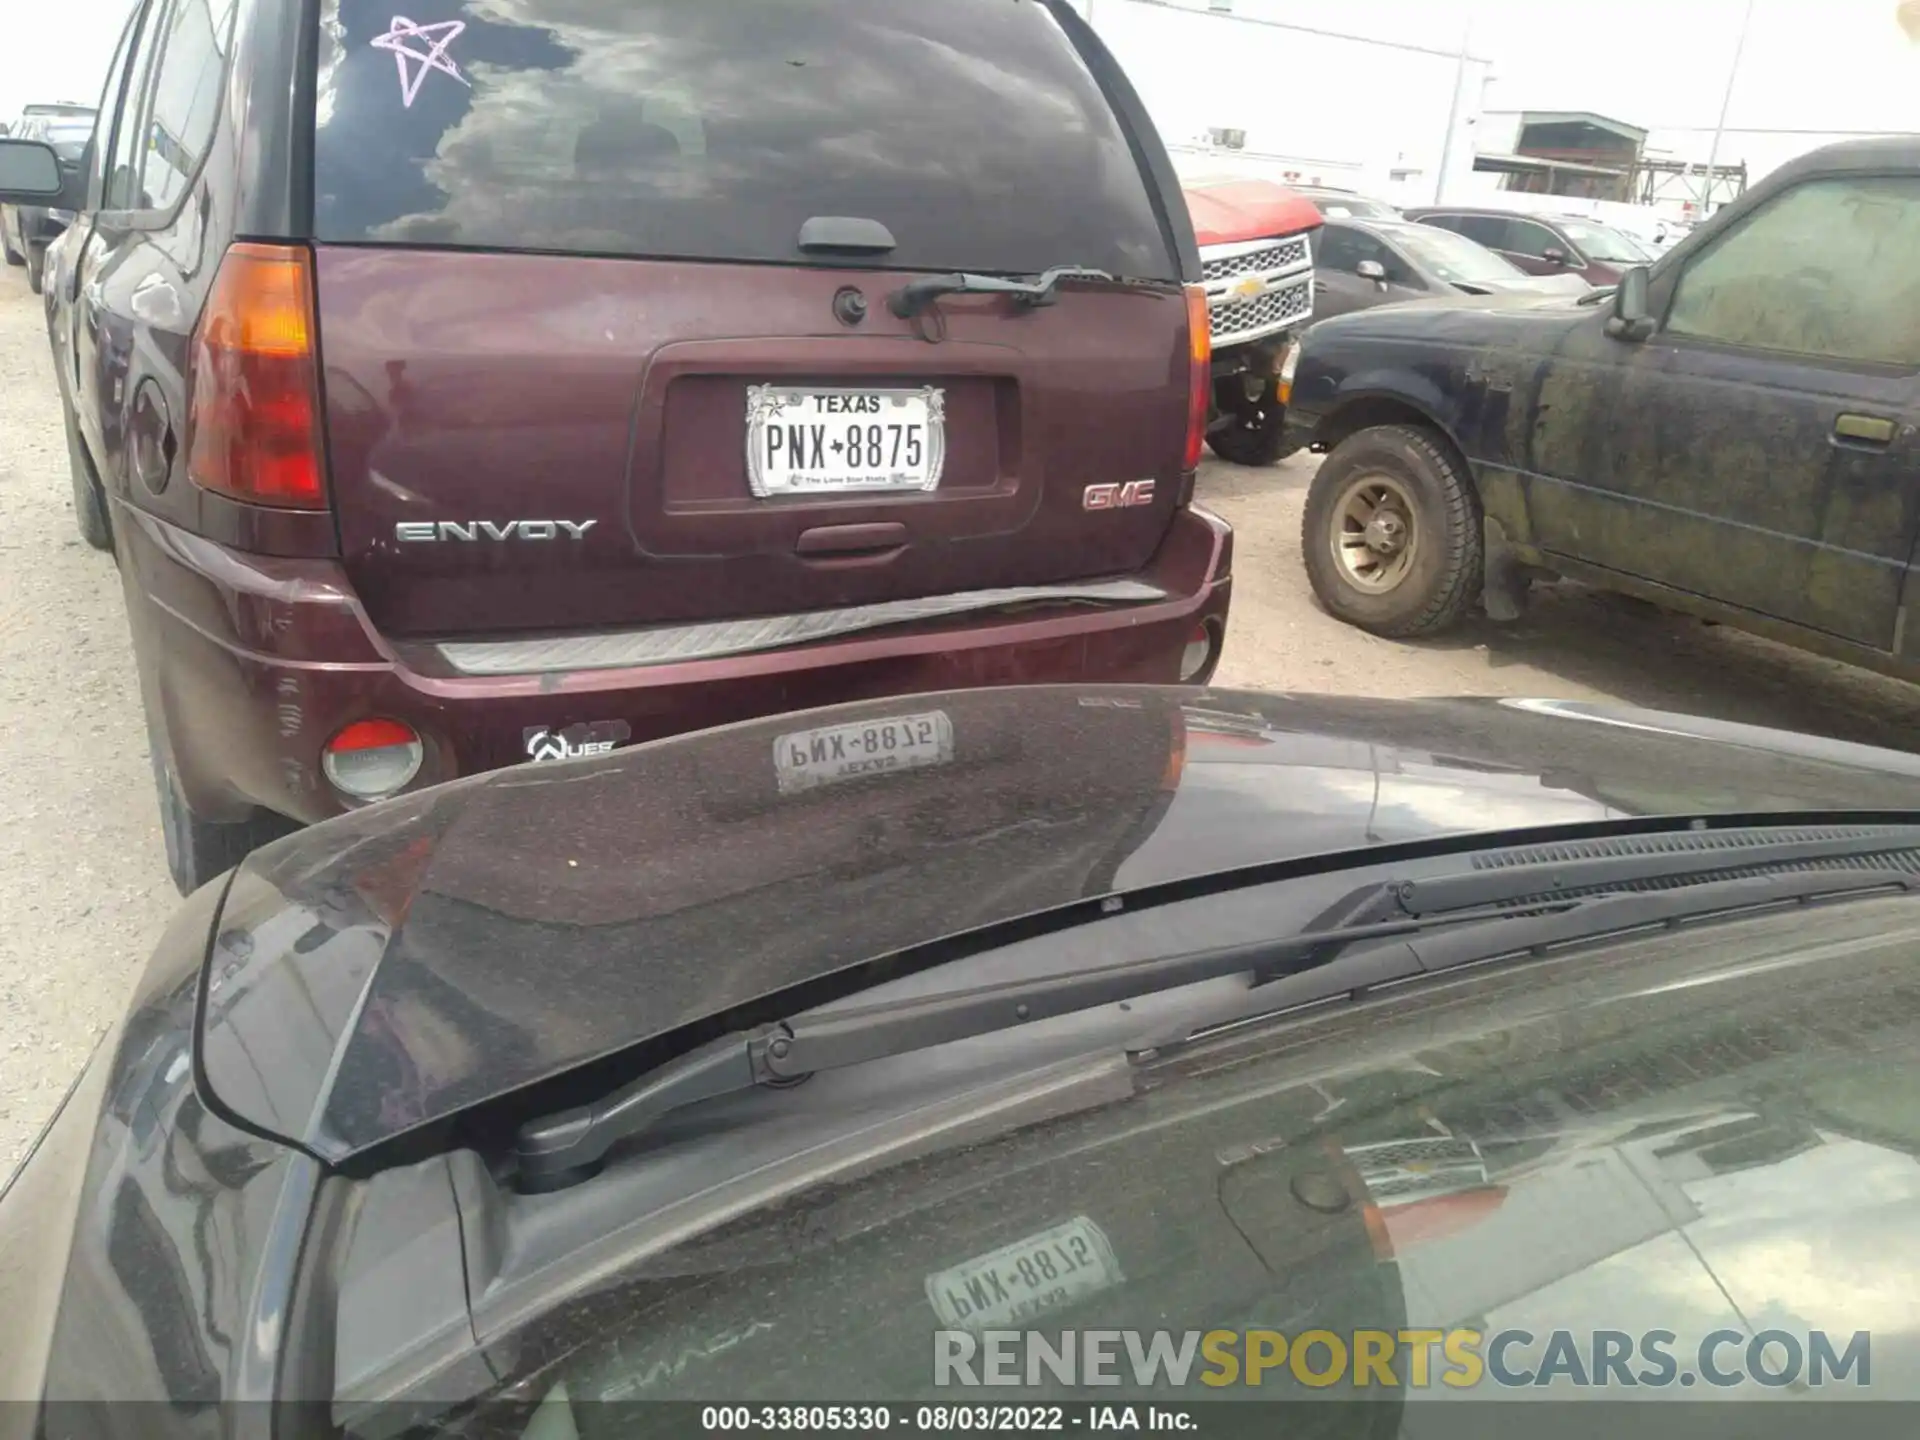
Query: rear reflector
point(372, 759)
point(1199, 373)
point(254, 427)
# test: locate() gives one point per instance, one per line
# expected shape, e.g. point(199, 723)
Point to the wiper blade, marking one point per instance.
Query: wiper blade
point(916, 295)
point(556, 1150)
point(1575, 923)
point(1479, 908)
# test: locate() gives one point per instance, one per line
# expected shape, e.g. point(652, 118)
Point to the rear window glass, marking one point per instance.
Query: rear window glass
point(715, 129)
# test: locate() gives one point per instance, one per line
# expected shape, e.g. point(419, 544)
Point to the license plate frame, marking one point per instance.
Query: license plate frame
point(811, 759)
point(924, 404)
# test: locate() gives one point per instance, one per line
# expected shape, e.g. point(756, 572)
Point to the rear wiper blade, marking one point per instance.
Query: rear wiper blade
point(913, 297)
point(557, 1150)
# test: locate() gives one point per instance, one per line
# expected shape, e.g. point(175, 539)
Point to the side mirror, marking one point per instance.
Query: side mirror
point(1372, 270)
point(1554, 255)
point(1631, 319)
point(29, 173)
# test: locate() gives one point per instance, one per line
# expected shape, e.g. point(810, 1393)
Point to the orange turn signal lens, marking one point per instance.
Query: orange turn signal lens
point(255, 413)
point(1199, 374)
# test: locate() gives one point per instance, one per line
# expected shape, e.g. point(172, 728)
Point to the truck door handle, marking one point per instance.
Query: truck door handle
point(1864, 429)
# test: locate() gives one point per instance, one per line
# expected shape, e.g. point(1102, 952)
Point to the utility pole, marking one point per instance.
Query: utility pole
point(1726, 101)
point(1453, 111)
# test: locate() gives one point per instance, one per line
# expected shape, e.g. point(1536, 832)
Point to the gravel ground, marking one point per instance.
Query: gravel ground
point(83, 886)
point(83, 882)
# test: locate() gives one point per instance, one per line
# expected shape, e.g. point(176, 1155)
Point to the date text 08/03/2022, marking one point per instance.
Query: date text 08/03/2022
point(946, 1419)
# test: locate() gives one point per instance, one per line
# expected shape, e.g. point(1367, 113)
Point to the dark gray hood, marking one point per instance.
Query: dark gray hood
point(386, 971)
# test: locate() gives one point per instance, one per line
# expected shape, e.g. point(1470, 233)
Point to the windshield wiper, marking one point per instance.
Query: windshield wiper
point(913, 297)
point(1483, 907)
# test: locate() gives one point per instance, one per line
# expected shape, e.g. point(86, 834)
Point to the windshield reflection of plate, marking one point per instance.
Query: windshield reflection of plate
point(808, 759)
point(1042, 1272)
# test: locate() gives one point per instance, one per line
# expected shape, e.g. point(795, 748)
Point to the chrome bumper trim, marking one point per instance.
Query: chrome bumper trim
point(713, 640)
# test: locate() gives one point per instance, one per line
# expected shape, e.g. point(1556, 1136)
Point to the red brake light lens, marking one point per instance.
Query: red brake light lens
point(373, 735)
point(255, 420)
point(1200, 373)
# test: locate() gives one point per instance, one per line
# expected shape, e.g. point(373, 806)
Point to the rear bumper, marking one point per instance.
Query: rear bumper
point(255, 662)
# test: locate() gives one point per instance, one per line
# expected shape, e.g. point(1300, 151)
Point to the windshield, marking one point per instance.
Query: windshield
point(1344, 207)
point(717, 131)
point(1374, 1171)
point(1603, 242)
point(1454, 258)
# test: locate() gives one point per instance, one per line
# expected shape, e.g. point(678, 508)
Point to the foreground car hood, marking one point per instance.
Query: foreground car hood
point(1527, 318)
point(409, 962)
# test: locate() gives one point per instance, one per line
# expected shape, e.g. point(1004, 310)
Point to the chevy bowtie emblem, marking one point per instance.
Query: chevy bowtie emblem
point(1248, 289)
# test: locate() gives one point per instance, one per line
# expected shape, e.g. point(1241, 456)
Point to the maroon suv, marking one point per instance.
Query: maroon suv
point(492, 384)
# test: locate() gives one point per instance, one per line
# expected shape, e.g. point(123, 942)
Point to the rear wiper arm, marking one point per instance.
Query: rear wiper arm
point(913, 297)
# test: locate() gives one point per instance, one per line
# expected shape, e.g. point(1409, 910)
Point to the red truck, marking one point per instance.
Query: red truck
point(1256, 253)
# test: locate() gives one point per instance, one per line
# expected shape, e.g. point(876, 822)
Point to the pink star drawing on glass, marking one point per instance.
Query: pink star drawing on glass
point(426, 46)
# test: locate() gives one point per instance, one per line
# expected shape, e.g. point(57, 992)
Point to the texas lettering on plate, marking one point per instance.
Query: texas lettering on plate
point(806, 759)
point(804, 441)
point(1028, 1277)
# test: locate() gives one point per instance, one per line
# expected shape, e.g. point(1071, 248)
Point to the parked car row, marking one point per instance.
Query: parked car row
point(1730, 431)
point(756, 1064)
point(27, 230)
point(1364, 263)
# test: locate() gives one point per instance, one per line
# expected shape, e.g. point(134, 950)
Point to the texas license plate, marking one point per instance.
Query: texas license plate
point(803, 441)
point(1040, 1273)
point(806, 759)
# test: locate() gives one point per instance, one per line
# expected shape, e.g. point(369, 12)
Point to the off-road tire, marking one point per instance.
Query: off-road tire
point(89, 501)
point(36, 263)
point(1253, 437)
point(1445, 573)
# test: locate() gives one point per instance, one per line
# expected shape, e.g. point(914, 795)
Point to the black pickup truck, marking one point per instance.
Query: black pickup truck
point(1730, 432)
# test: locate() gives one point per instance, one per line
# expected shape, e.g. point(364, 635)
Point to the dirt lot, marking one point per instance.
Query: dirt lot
point(83, 891)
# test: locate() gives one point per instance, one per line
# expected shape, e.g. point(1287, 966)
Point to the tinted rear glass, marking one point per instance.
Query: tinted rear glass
point(715, 129)
point(69, 137)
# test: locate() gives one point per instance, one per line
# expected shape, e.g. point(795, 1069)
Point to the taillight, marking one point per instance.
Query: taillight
point(1176, 754)
point(255, 416)
point(1199, 373)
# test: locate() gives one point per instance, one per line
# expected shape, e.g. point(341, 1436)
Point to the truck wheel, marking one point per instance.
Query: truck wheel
point(36, 267)
point(89, 504)
point(1391, 534)
point(200, 850)
point(1253, 430)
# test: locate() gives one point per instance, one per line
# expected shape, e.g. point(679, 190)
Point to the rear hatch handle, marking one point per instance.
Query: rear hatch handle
point(847, 234)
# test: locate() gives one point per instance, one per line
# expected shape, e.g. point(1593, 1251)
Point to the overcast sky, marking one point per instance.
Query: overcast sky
point(1829, 65)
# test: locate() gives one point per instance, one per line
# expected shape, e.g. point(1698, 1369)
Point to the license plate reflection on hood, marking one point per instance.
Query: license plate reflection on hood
point(1042, 1272)
point(806, 759)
